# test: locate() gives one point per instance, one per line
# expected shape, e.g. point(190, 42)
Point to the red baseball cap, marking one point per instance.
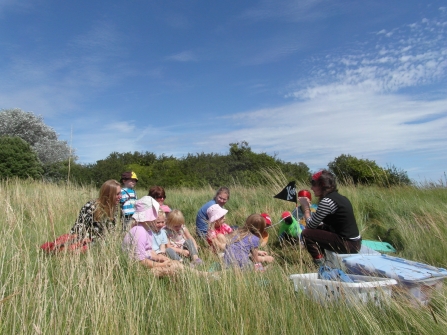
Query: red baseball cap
point(286, 215)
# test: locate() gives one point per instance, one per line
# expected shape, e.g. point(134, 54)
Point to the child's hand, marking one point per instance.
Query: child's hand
point(262, 253)
point(185, 252)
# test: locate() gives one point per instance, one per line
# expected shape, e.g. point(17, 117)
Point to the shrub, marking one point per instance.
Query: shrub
point(17, 159)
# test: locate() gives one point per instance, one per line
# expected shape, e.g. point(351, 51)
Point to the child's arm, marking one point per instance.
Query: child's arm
point(188, 236)
point(219, 242)
point(261, 256)
point(153, 264)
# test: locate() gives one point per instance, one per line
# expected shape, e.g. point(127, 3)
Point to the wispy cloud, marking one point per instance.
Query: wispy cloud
point(184, 56)
point(291, 10)
point(413, 55)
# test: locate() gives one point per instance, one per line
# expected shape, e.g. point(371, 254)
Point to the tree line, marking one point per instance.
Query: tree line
point(29, 148)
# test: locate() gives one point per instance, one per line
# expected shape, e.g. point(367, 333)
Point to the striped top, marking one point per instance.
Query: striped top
point(128, 198)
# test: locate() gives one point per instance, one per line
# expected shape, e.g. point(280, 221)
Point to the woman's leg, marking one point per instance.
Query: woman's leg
point(317, 240)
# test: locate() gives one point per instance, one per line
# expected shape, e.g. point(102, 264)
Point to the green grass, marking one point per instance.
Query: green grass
point(102, 292)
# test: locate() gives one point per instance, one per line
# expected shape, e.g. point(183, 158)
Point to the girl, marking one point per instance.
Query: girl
point(180, 240)
point(159, 237)
point(244, 245)
point(99, 216)
point(139, 240)
point(217, 228)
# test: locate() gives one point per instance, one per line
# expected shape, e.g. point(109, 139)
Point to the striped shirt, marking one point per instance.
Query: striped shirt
point(128, 198)
point(325, 207)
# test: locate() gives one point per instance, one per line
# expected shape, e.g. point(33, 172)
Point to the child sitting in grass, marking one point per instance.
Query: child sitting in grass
point(139, 241)
point(242, 249)
point(290, 230)
point(159, 237)
point(180, 240)
point(217, 228)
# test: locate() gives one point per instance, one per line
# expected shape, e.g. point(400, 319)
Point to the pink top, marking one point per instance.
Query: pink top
point(138, 243)
point(224, 229)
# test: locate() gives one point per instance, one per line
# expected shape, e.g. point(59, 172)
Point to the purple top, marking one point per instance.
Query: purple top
point(237, 254)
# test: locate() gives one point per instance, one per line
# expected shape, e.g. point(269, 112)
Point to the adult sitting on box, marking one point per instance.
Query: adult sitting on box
point(338, 231)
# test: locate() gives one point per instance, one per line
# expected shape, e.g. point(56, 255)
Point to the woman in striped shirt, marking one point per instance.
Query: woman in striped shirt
point(333, 225)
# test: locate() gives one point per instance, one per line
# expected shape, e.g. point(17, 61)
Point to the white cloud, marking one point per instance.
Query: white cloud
point(184, 56)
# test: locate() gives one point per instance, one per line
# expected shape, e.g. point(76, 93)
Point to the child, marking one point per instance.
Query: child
point(243, 245)
point(180, 241)
point(265, 235)
point(217, 228)
point(313, 208)
point(290, 230)
point(139, 241)
point(128, 197)
point(159, 237)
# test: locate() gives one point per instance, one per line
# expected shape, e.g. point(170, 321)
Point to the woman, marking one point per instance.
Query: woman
point(333, 225)
point(158, 193)
point(99, 216)
point(221, 198)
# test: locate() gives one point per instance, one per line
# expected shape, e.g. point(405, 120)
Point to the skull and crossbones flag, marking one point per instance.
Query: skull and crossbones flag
point(288, 193)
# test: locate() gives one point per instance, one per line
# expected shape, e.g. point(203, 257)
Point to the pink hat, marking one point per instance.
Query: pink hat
point(146, 209)
point(215, 212)
point(165, 208)
point(268, 220)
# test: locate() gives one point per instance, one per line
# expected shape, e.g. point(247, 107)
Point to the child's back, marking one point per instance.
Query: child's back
point(237, 252)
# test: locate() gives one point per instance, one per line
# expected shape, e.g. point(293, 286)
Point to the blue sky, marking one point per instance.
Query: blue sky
point(307, 80)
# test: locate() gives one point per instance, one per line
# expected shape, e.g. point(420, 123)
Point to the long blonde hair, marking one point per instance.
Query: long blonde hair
point(254, 225)
point(106, 203)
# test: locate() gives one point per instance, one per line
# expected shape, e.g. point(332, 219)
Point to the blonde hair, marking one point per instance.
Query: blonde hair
point(175, 217)
point(255, 224)
point(106, 203)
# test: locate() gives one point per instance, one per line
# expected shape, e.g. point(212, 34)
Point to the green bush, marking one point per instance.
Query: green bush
point(349, 169)
point(359, 171)
point(17, 159)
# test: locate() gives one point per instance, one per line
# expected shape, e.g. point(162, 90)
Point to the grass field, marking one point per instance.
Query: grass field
point(102, 292)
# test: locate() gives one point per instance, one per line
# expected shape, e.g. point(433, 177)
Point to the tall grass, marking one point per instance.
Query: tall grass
point(102, 292)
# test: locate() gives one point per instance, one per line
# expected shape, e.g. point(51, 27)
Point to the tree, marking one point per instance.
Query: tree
point(359, 171)
point(31, 128)
point(365, 171)
point(17, 159)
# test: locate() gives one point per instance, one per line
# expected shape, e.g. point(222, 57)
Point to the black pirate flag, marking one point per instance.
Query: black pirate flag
point(288, 193)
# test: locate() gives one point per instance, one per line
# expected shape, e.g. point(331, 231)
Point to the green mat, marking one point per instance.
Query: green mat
point(379, 246)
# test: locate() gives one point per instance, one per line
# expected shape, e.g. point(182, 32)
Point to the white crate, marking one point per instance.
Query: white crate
point(418, 288)
point(364, 288)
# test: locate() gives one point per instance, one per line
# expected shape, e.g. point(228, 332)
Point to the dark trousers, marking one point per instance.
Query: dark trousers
point(317, 240)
